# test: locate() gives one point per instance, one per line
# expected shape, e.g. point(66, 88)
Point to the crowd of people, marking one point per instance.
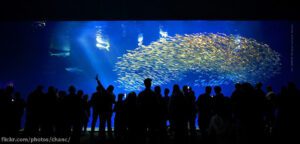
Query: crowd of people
point(250, 115)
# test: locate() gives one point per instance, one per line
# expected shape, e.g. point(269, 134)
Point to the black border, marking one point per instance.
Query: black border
point(148, 10)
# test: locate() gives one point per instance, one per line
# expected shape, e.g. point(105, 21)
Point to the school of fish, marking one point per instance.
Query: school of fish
point(212, 58)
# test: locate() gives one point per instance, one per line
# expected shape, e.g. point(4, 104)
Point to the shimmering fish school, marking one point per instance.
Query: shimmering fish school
point(214, 59)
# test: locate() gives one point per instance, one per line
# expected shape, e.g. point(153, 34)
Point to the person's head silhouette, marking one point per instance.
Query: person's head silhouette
point(147, 83)
point(208, 89)
point(259, 85)
point(110, 89)
point(238, 86)
point(51, 90)
point(131, 96)
point(176, 88)
point(10, 89)
point(80, 93)
point(269, 88)
point(157, 89)
point(72, 89)
point(185, 89)
point(167, 91)
point(217, 89)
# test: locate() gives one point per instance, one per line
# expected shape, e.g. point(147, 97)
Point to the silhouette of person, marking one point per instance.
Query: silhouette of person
point(160, 128)
point(283, 118)
point(148, 112)
point(165, 108)
point(288, 115)
point(34, 110)
point(119, 122)
point(251, 119)
point(204, 105)
point(220, 124)
point(75, 113)
point(236, 98)
point(106, 101)
point(48, 111)
point(84, 105)
point(62, 124)
point(218, 101)
point(178, 113)
point(18, 111)
point(86, 112)
point(95, 104)
point(258, 112)
point(131, 112)
point(8, 113)
point(191, 108)
point(270, 109)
